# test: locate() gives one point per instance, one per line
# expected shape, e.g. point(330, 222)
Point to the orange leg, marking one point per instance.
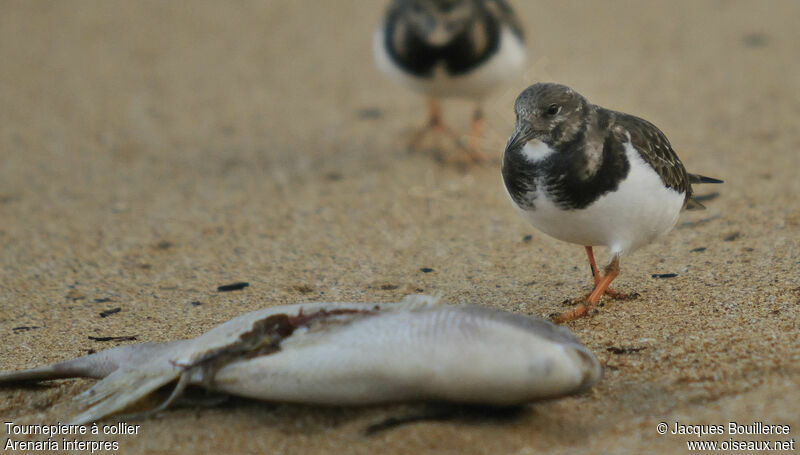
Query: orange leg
point(593, 265)
point(611, 272)
point(435, 119)
point(473, 151)
point(596, 277)
point(435, 124)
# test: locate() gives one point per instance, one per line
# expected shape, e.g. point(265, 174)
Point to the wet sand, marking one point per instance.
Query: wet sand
point(150, 152)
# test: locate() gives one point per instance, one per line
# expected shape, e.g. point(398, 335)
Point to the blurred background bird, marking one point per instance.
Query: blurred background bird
point(450, 48)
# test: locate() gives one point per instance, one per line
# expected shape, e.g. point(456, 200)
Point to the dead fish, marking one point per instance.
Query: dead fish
point(344, 354)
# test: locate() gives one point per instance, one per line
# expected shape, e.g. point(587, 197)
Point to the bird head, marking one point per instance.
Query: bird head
point(437, 22)
point(547, 112)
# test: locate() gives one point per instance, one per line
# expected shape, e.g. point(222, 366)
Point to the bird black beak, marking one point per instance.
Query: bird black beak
point(522, 134)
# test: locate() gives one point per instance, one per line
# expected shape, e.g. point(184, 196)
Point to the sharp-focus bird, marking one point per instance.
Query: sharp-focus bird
point(588, 175)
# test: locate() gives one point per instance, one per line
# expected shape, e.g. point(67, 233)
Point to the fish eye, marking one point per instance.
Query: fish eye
point(552, 110)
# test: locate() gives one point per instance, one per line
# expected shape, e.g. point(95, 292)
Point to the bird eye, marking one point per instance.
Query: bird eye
point(552, 109)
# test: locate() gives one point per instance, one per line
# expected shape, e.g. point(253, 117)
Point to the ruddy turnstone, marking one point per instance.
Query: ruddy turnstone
point(450, 48)
point(588, 175)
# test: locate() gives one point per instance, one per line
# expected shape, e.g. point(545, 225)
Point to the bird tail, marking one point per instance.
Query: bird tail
point(697, 178)
point(693, 204)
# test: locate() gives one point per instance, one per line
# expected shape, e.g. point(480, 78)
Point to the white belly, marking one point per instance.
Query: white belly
point(639, 211)
point(502, 67)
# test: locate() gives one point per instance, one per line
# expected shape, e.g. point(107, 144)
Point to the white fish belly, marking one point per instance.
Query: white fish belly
point(439, 354)
point(506, 64)
point(638, 212)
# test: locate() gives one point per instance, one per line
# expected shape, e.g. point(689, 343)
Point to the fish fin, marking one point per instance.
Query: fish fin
point(121, 389)
point(97, 365)
point(55, 371)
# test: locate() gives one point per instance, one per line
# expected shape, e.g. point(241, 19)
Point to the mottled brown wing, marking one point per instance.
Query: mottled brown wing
point(655, 149)
point(503, 12)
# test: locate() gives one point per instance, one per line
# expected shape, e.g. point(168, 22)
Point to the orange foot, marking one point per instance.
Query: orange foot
point(601, 288)
point(584, 305)
point(435, 125)
point(466, 159)
point(571, 315)
point(473, 152)
point(611, 293)
point(468, 155)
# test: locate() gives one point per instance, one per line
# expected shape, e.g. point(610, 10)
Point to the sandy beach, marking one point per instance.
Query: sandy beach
point(152, 151)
